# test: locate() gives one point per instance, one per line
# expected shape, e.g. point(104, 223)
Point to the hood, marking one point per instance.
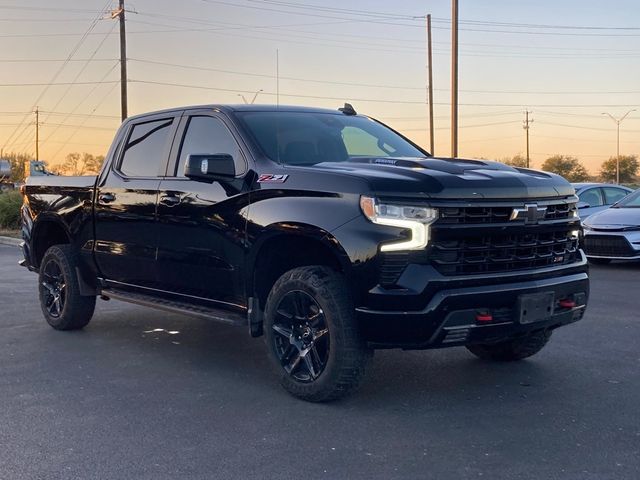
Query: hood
point(451, 178)
point(615, 219)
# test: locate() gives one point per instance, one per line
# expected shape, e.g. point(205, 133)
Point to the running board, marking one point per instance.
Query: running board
point(219, 315)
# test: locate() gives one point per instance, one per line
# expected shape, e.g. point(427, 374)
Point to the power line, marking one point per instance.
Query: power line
point(414, 102)
point(353, 17)
point(262, 75)
point(53, 60)
point(501, 46)
point(74, 50)
point(79, 103)
point(580, 127)
point(56, 84)
point(82, 69)
point(82, 123)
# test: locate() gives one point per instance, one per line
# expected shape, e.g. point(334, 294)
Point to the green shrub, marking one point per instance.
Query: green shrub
point(10, 203)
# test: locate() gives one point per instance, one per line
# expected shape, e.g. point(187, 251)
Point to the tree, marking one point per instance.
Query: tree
point(515, 161)
point(629, 167)
point(568, 167)
point(80, 164)
point(18, 162)
point(92, 164)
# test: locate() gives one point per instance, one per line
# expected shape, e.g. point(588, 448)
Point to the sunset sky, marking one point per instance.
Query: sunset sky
point(566, 61)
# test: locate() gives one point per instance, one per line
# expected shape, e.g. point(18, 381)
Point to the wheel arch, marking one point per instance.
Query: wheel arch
point(47, 231)
point(290, 245)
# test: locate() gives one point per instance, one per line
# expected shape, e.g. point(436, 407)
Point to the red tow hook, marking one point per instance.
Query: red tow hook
point(484, 317)
point(567, 303)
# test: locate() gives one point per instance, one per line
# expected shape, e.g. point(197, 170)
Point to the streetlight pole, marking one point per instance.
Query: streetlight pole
point(454, 78)
point(618, 122)
point(244, 99)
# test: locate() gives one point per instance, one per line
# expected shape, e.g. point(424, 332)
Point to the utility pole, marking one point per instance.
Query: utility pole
point(37, 134)
point(618, 122)
point(525, 125)
point(454, 78)
point(123, 58)
point(430, 80)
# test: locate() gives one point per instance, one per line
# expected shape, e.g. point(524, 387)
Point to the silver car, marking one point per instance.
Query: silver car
point(595, 197)
point(614, 234)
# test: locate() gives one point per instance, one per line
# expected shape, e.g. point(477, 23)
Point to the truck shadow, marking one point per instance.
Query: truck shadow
point(209, 353)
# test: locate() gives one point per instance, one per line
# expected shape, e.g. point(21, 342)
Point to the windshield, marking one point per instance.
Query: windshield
point(303, 138)
point(630, 201)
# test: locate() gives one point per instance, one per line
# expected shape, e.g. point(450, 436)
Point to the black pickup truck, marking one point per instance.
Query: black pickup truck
point(326, 230)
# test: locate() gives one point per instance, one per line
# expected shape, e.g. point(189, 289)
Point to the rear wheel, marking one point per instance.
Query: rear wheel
point(62, 305)
point(512, 350)
point(600, 261)
point(312, 337)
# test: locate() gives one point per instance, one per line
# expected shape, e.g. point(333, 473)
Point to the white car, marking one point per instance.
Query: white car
point(614, 234)
point(595, 197)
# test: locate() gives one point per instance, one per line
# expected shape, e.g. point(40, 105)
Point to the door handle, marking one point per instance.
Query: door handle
point(170, 200)
point(106, 198)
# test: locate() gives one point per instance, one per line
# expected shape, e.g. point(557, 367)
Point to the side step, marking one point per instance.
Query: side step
point(219, 315)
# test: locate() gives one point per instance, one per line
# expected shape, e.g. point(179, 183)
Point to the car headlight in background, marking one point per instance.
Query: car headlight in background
point(415, 219)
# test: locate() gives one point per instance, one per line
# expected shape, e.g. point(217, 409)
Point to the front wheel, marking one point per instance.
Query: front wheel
point(311, 335)
point(62, 305)
point(512, 350)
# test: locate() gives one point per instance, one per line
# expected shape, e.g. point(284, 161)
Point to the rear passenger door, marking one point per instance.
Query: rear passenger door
point(593, 201)
point(202, 224)
point(126, 200)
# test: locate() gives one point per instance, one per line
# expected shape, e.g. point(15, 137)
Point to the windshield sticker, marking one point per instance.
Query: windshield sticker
point(271, 178)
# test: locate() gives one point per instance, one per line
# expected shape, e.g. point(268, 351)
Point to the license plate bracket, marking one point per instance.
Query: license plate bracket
point(535, 307)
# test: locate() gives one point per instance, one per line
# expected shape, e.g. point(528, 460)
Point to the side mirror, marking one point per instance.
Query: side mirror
point(582, 205)
point(210, 167)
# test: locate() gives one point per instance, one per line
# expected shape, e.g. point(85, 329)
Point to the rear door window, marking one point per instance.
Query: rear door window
point(145, 152)
point(613, 194)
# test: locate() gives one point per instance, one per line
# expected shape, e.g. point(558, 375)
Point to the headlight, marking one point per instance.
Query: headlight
point(586, 227)
point(415, 219)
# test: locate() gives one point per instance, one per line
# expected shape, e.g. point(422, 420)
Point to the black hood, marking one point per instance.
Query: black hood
point(451, 178)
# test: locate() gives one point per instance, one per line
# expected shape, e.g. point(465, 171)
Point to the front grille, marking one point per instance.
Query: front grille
point(492, 253)
point(475, 239)
point(608, 245)
point(500, 214)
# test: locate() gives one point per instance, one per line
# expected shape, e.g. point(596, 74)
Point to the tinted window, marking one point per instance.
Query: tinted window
point(361, 144)
point(207, 135)
point(613, 194)
point(632, 201)
point(306, 138)
point(144, 151)
point(592, 196)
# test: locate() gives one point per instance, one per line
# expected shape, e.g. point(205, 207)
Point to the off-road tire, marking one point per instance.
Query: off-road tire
point(347, 355)
point(76, 310)
point(512, 350)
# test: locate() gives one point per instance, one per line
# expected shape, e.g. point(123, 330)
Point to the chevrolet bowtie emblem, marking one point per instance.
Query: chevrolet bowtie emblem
point(531, 213)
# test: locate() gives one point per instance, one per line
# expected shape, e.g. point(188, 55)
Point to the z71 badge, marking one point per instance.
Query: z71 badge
point(271, 178)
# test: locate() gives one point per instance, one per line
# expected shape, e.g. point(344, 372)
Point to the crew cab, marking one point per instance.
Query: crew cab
point(326, 231)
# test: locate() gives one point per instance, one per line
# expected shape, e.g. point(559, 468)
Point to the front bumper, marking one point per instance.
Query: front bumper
point(612, 245)
point(450, 308)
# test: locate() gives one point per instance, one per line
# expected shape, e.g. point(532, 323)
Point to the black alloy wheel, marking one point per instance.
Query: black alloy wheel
point(53, 288)
point(312, 335)
point(302, 340)
point(63, 307)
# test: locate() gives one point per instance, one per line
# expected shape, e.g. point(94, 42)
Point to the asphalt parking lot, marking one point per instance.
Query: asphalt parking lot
point(146, 394)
